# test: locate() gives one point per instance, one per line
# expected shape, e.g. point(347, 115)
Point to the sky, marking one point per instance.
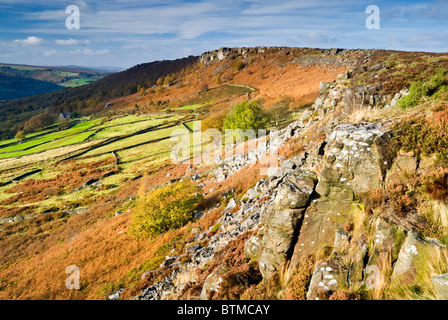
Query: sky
point(123, 33)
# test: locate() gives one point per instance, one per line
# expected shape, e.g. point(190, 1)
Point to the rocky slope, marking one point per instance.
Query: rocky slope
point(314, 208)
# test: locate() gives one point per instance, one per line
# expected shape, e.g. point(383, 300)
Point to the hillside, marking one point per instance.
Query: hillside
point(14, 87)
point(20, 81)
point(354, 207)
point(86, 99)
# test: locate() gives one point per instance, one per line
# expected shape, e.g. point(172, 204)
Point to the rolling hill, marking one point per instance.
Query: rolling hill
point(20, 81)
point(86, 98)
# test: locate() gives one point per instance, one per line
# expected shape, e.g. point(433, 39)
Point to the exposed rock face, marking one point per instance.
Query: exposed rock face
point(216, 55)
point(212, 283)
point(283, 219)
point(387, 242)
point(405, 162)
point(413, 259)
point(253, 248)
point(327, 276)
point(441, 286)
point(355, 160)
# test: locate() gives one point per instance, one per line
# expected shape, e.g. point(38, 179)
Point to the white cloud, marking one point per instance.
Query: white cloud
point(49, 53)
point(30, 41)
point(69, 42)
point(90, 52)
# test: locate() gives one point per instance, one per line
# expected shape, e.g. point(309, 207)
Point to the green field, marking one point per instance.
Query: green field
point(43, 142)
point(77, 82)
point(189, 107)
point(136, 153)
point(65, 73)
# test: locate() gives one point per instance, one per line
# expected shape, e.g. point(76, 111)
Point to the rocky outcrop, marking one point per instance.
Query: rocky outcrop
point(355, 160)
point(310, 203)
point(284, 216)
point(328, 276)
point(413, 259)
point(216, 55)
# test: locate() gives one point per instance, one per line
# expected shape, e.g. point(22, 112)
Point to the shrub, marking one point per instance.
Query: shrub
point(215, 121)
point(20, 135)
point(399, 196)
point(238, 280)
point(424, 135)
point(372, 199)
point(431, 88)
point(238, 65)
point(435, 183)
point(265, 290)
point(279, 113)
point(169, 207)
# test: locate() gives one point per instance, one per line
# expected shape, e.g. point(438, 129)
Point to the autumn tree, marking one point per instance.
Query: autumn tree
point(279, 113)
point(20, 135)
point(38, 122)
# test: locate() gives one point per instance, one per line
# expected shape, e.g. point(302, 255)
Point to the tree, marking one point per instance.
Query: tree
point(75, 114)
point(218, 79)
point(215, 121)
point(20, 135)
point(38, 122)
point(247, 116)
point(64, 124)
point(159, 81)
point(278, 113)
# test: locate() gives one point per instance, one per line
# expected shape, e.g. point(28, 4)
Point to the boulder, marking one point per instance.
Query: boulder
point(283, 219)
point(357, 157)
point(328, 276)
point(440, 284)
point(231, 205)
point(413, 259)
point(253, 246)
point(212, 283)
point(295, 190)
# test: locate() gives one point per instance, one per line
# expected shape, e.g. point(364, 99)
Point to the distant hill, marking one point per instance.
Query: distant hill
point(108, 69)
point(13, 87)
point(16, 77)
point(83, 98)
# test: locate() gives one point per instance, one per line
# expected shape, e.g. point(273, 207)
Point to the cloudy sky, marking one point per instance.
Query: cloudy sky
point(123, 33)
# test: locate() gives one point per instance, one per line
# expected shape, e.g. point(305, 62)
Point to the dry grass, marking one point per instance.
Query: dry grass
point(384, 264)
point(408, 289)
point(297, 287)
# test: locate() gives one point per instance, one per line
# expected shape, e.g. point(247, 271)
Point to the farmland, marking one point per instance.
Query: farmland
point(126, 145)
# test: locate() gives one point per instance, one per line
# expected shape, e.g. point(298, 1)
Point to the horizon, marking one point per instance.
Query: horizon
point(122, 35)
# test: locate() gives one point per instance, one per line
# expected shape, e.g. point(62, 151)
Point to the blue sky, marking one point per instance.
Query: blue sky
point(124, 33)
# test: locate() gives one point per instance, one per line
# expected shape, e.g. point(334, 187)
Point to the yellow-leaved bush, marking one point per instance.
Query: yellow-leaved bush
point(166, 208)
